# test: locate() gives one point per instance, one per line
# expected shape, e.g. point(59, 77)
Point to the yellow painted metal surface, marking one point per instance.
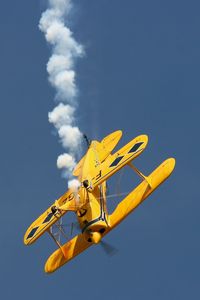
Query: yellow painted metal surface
point(69, 250)
point(94, 206)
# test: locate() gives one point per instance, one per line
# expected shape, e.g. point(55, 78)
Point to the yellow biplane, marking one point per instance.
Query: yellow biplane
point(88, 202)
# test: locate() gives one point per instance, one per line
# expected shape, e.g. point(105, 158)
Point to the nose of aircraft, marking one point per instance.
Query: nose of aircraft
point(96, 237)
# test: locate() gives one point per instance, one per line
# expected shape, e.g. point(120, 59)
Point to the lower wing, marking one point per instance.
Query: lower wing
point(141, 192)
point(64, 254)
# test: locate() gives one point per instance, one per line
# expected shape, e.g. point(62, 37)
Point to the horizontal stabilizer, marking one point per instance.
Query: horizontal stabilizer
point(102, 150)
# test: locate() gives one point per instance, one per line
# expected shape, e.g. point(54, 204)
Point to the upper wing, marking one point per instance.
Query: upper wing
point(116, 161)
point(102, 149)
point(48, 218)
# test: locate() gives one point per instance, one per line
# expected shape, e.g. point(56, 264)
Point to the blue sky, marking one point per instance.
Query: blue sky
point(140, 74)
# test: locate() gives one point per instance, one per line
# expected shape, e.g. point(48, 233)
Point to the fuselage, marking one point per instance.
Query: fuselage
point(93, 216)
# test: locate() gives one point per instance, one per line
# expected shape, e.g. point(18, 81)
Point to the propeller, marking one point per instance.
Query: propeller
point(108, 248)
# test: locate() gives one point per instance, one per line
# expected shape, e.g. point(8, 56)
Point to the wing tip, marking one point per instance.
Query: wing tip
point(28, 241)
point(170, 162)
point(143, 138)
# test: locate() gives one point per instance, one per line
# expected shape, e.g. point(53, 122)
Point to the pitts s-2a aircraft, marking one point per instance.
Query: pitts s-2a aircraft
point(88, 202)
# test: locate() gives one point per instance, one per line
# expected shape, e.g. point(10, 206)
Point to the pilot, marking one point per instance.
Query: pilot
point(55, 210)
point(87, 185)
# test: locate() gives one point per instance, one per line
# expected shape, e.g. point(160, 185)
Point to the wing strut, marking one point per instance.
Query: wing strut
point(60, 231)
point(57, 242)
point(140, 174)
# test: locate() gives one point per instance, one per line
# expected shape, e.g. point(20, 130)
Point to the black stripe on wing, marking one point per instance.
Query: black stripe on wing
point(135, 147)
point(116, 161)
point(33, 231)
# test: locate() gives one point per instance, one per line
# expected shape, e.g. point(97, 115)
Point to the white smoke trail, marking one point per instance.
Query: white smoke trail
point(60, 68)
